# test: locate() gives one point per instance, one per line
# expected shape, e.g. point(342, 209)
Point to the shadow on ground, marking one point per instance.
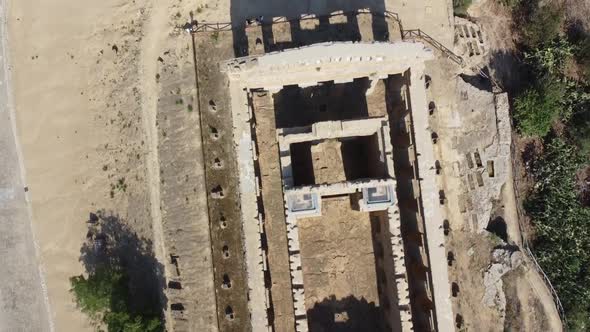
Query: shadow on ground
point(509, 70)
point(348, 314)
point(111, 243)
point(242, 10)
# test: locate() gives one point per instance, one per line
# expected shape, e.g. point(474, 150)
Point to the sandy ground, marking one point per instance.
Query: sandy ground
point(18, 254)
point(85, 110)
point(433, 17)
point(78, 123)
point(337, 268)
point(342, 269)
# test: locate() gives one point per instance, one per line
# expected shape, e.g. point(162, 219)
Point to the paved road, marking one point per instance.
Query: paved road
point(23, 305)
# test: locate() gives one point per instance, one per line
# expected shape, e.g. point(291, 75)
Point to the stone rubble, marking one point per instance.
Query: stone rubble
point(503, 261)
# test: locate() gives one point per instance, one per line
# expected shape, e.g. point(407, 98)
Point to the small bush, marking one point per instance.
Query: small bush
point(104, 297)
point(551, 58)
point(538, 108)
point(579, 131)
point(583, 56)
point(542, 25)
point(215, 36)
point(561, 224)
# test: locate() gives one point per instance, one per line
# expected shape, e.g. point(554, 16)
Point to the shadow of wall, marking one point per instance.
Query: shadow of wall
point(343, 315)
point(299, 30)
point(412, 223)
point(296, 107)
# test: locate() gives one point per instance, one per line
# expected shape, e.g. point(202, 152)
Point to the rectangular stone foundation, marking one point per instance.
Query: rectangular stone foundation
point(295, 288)
point(339, 276)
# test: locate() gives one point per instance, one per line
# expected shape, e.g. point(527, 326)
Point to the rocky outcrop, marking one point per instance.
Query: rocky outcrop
point(503, 261)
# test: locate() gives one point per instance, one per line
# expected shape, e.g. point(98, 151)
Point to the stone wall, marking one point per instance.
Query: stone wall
point(337, 61)
point(252, 220)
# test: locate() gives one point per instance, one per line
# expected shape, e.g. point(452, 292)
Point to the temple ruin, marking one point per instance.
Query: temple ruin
point(323, 172)
point(327, 110)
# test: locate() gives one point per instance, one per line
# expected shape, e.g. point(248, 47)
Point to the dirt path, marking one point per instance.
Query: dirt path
point(510, 208)
point(542, 293)
point(534, 278)
point(153, 37)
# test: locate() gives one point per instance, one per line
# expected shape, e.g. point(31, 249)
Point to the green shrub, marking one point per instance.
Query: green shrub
point(538, 108)
point(583, 56)
point(562, 222)
point(104, 297)
point(579, 130)
point(562, 226)
point(215, 36)
point(578, 320)
point(551, 57)
point(542, 25)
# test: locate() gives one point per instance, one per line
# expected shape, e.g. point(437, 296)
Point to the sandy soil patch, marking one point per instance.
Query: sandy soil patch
point(83, 104)
point(78, 116)
point(337, 254)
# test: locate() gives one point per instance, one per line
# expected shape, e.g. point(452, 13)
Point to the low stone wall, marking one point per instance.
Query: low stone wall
point(305, 67)
point(433, 216)
point(252, 221)
point(333, 129)
point(348, 187)
point(296, 275)
point(400, 277)
point(308, 65)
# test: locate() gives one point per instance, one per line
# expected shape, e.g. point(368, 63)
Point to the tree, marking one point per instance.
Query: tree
point(103, 291)
point(115, 257)
point(104, 295)
point(556, 205)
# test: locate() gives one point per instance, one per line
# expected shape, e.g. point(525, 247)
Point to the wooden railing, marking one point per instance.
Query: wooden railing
point(421, 35)
point(412, 34)
point(211, 27)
